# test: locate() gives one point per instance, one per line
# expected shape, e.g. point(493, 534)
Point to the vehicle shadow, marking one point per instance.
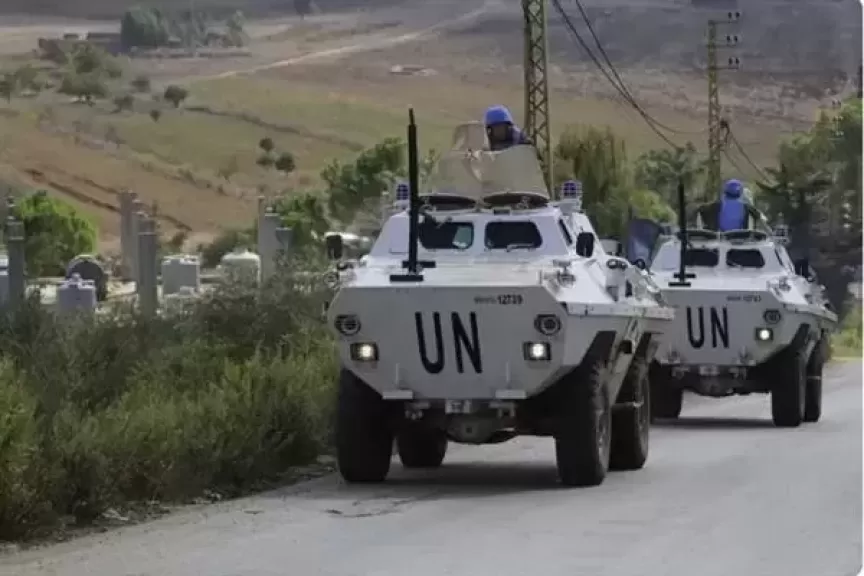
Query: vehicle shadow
point(714, 423)
point(453, 481)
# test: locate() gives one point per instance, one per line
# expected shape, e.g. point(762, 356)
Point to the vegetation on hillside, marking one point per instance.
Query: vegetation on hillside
point(143, 27)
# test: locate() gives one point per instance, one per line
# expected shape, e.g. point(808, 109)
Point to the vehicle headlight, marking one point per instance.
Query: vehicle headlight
point(364, 352)
point(536, 351)
point(764, 334)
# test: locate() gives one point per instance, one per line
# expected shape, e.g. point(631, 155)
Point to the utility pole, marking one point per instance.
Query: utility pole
point(535, 67)
point(717, 126)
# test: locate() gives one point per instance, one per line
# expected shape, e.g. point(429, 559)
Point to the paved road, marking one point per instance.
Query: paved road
point(724, 494)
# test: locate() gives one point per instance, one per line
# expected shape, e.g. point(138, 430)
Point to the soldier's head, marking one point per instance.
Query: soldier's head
point(499, 124)
point(733, 189)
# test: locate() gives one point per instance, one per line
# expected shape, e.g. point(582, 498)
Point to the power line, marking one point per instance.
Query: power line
point(572, 28)
point(623, 87)
point(746, 157)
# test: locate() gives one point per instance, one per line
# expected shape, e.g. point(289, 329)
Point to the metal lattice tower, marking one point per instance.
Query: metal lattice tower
point(536, 65)
point(715, 138)
point(717, 125)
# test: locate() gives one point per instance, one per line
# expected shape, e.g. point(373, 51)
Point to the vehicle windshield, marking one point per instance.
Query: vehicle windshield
point(446, 235)
point(512, 236)
point(744, 258)
point(670, 258)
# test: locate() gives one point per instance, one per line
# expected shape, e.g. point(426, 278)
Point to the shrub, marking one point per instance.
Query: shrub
point(226, 395)
point(54, 233)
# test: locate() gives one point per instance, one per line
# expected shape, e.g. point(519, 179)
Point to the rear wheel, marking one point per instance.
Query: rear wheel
point(584, 427)
point(789, 391)
point(666, 399)
point(813, 388)
point(631, 421)
point(364, 433)
point(421, 447)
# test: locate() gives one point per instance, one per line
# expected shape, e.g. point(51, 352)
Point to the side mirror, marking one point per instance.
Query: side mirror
point(802, 267)
point(585, 244)
point(335, 246)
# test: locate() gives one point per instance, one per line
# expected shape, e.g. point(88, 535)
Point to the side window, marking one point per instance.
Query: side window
point(568, 238)
point(512, 235)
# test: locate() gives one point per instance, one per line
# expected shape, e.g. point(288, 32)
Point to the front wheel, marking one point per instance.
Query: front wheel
point(666, 399)
point(584, 427)
point(364, 433)
point(789, 391)
point(813, 387)
point(631, 421)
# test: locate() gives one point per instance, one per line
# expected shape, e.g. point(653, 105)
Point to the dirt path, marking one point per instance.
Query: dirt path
point(375, 42)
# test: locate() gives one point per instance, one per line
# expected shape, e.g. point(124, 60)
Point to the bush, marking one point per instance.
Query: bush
point(54, 233)
point(224, 395)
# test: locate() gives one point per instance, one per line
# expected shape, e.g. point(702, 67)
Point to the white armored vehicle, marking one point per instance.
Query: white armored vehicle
point(490, 312)
point(747, 320)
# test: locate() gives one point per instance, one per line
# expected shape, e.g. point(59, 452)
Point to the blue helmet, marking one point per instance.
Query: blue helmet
point(733, 188)
point(498, 115)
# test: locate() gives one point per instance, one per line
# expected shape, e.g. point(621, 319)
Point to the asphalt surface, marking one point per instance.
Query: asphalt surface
point(724, 493)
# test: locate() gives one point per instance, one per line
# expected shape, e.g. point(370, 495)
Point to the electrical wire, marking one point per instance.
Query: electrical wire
point(572, 29)
point(746, 157)
point(623, 87)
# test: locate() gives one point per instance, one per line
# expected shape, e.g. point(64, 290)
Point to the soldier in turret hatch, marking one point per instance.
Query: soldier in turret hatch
point(501, 130)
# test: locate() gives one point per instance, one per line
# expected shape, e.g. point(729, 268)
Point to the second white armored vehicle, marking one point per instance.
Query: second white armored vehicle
point(494, 313)
point(747, 320)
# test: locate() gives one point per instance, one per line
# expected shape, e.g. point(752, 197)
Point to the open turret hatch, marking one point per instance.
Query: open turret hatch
point(470, 174)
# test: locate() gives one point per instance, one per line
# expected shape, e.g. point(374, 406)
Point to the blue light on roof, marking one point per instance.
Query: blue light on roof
point(571, 189)
point(403, 192)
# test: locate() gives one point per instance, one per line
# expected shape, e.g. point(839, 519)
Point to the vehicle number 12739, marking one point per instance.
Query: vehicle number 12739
point(501, 299)
point(509, 299)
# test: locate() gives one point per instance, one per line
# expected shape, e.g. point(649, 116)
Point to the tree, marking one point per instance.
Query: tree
point(285, 163)
point(176, 95)
point(305, 214)
point(155, 114)
point(356, 188)
point(54, 233)
point(141, 83)
point(236, 33)
point(88, 59)
point(817, 191)
point(8, 87)
point(143, 27)
point(659, 170)
point(25, 77)
point(85, 87)
point(267, 145)
point(123, 102)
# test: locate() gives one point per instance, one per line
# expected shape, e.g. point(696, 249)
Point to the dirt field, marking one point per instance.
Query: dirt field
point(326, 87)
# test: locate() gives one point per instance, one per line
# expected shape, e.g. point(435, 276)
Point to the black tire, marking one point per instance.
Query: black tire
point(421, 447)
point(788, 391)
point(584, 427)
point(666, 399)
point(813, 388)
point(631, 422)
point(364, 432)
